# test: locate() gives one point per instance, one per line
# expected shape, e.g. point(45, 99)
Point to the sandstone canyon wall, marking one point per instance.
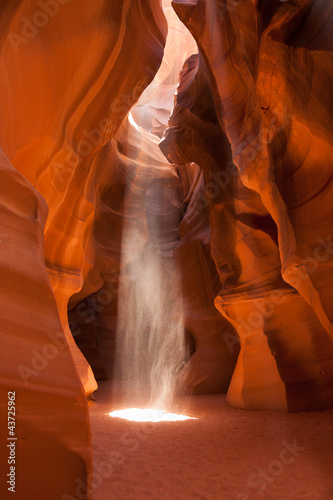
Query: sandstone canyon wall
point(238, 180)
point(70, 71)
point(258, 96)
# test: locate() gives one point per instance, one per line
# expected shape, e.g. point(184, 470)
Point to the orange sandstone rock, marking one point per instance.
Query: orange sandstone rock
point(49, 425)
point(65, 89)
point(245, 100)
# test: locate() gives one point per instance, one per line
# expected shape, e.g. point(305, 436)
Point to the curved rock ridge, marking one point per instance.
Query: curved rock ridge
point(66, 87)
point(233, 192)
point(51, 408)
point(136, 163)
point(211, 366)
point(153, 109)
point(266, 158)
point(147, 198)
point(76, 89)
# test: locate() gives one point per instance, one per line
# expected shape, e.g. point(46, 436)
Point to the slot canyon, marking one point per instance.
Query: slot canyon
point(166, 249)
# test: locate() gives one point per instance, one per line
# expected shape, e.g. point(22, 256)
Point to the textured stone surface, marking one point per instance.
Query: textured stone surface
point(240, 187)
point(270, 218)
point(77, 88)
point(151, 200)
point(51, 417)
point(65, 89)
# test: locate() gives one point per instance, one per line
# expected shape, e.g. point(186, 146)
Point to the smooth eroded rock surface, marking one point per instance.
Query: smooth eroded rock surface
point(254, 116)
point(228, 182)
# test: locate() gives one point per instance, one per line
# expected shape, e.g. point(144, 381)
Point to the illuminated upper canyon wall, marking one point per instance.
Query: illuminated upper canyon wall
point(183, 239)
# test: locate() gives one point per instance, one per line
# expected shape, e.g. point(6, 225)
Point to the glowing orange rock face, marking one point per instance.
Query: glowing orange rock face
point(271, 218)
point(50, 418)
point(140, 189)
point(255, 238)
point(65, 88)
point(71, 78)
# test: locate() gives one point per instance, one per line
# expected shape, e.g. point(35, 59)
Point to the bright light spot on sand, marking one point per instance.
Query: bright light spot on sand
point(148, 415)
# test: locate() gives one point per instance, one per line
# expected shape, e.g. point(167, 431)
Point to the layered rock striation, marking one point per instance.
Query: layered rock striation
point(247, 111)
point(65, 89)
point(233, 192)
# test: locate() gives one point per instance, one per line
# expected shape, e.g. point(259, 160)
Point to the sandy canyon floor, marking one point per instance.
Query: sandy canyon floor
point(223, 453)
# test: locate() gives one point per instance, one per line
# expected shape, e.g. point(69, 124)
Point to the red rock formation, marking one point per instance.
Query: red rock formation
point(245, 219)
point(49, 424)
point(270, 223)
point(65, 89)
point(142, 192)
point(79, 92)
point(139, 165)
point(211, 366)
